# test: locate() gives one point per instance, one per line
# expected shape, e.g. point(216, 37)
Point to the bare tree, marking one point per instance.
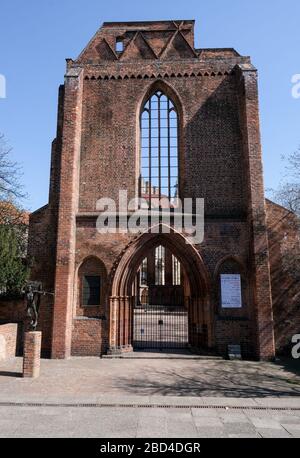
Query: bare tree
point(288, 193)
point(10, 186)
point(11, 189)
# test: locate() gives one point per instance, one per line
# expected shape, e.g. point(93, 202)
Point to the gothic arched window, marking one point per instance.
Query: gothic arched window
point(159, 149)
point(160, 254)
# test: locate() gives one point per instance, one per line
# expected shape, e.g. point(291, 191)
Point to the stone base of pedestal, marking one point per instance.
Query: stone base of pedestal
point(32, 354)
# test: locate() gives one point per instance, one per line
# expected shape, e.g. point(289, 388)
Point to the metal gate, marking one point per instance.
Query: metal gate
point(160, 326)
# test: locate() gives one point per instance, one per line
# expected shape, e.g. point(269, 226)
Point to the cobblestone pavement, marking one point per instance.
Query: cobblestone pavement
point(151, 398)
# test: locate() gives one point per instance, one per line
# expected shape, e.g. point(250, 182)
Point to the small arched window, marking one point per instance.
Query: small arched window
point(92, 282)
point(159, 150)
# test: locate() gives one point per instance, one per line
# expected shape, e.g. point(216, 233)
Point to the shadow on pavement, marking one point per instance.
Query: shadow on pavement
point(289, 365)
point(225, 381)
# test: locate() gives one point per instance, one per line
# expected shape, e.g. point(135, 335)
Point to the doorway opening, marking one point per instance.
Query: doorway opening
point(161, 305)
point(159, 297)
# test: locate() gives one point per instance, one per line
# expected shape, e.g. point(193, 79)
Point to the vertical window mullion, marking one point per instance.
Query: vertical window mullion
point(163, 256)
point(140, 190)
point(169, 153)
point(150, 154)
point(159, 266)
point(159, 150)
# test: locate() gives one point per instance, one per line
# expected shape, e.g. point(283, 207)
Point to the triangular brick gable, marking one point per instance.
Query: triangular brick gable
point(137, 49)
point(141, 41)
point(105, 52)
point(158, 39)
point(178, 47)
point(97, 50)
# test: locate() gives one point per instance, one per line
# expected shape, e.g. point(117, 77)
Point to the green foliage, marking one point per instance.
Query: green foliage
point(13, 226)
point(13, 269)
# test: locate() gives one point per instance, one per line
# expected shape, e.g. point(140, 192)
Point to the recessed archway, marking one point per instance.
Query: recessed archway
point(123, 293)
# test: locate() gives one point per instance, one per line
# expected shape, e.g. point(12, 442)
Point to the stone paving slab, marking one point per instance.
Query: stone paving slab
point(230, 401)
point(269, 433)
point(281, 402)
point(256, 383)
point(138, 422)
point(160, 398)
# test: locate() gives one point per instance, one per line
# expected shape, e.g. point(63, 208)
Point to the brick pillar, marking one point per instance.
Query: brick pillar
point(127, 343)
point(32, 354)
point(249, 115)
point(121, 322)
point(114, 305)
point(128, 313)
point(191, 323)
point(67, 208)
point(130, 322)
point(120, 325)
point(208, 319)
point(126, 322)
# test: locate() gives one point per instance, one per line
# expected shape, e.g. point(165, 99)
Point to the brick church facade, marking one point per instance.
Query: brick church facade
point(141, 109)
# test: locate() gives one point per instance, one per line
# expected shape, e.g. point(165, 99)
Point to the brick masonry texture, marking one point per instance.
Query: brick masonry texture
point(283, 235)
point(96, 153)
point(14, 311)
point(88, 337)
point(8, 340)
point(32, 354)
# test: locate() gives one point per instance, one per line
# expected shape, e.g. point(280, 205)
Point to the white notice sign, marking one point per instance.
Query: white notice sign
point(231, 291)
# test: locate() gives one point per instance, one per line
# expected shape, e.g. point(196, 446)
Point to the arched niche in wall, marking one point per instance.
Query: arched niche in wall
point(91, 288)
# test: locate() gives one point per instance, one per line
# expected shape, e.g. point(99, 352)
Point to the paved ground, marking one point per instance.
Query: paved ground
point(151, 398)
point(93, 377)
point(145, 422)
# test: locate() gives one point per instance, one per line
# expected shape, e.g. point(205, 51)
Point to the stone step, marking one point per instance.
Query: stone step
point(162, 355)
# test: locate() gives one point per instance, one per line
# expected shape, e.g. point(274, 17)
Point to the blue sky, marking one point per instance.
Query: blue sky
point(37, 36)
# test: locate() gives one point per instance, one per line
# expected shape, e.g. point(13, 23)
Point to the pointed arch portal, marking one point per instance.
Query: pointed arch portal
point(156, 315)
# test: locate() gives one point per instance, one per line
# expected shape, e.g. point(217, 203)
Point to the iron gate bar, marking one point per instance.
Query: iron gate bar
point(160, 326)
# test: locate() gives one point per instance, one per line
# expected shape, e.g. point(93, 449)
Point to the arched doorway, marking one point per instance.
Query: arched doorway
point(184, 309)
point(161, 306)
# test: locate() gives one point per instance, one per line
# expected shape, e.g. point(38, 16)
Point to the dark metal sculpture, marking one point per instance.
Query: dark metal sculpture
point(33, 293)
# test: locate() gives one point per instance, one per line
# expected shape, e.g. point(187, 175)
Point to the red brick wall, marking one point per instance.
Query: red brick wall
point(210, 138)
point(14, 311)
point(235, 326)
point(87, 337)
point(283, 235)
point(9, 334)
point(96, 153)
point(66, 217)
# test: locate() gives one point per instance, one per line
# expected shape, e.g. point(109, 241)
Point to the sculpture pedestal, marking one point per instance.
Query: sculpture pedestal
point(32, 354)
